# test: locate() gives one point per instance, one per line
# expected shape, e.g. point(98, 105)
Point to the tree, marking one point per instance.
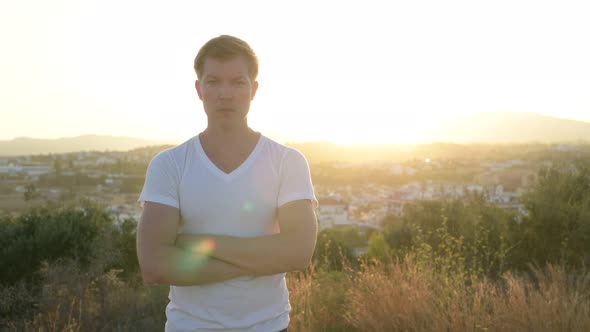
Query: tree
point(378, 248)
point(48, 234)
point(331, 253)
point(125, 247)
point(58, 166)
point(31, 192)
point(482, 229)
point(557, 229)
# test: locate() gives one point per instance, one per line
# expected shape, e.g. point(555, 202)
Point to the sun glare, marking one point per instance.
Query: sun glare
point(383, 80)
point(365, 129)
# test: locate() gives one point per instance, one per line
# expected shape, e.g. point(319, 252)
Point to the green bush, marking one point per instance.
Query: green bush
point(557, 229)
point(83, 232)
point(47, 234)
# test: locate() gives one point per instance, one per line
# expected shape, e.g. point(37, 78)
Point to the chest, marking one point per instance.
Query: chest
point(243, 203)
point(227, 161)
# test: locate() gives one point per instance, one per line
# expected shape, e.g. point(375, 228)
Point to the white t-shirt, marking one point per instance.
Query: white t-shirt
point(242, 203)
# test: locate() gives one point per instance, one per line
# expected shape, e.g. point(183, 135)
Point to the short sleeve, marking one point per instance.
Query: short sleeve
point(295, 179)
point(161, 181)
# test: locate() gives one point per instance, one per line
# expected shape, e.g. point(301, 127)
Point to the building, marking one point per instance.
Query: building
point(331, 212)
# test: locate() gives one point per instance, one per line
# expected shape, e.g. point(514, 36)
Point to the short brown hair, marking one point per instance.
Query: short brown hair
point(227, 47)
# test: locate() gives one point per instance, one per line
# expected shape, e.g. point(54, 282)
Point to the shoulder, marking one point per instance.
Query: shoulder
point(177, 152)
point(282, 150)
point(173, 157)
point(281, 153)
point(286, 160)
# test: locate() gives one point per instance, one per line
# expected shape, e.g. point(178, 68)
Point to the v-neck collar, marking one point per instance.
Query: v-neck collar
point(228, 177)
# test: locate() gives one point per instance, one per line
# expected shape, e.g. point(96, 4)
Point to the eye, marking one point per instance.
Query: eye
point(211, 82)
point(240, 82)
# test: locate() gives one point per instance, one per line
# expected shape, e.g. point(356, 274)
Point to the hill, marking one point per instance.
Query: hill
point(30, 146)
point(510, 127)
point(449, 139)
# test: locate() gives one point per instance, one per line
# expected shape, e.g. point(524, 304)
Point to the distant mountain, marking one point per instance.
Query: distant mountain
point(29, 146)
point(471, 136)
point(495, 127)
point(510, 127)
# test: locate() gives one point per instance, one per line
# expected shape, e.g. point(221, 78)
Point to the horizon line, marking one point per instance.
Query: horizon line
point(318, 141)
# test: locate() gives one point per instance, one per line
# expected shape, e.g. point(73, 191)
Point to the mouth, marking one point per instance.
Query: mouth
point(225, 110)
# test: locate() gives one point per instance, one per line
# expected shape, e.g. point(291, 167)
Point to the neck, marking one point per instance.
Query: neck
point(224, 135)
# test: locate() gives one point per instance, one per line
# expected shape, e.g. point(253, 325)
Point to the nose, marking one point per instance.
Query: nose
point(225, 92)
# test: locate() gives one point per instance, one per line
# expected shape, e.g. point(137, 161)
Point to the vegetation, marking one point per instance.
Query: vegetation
point(411, 295)
point(443, 266)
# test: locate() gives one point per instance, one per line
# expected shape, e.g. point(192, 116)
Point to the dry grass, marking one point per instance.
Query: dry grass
point(404, 296)
point(392, 297)
point(396, 296)
point(318, 300)
point(75, 301)
point(552, 301)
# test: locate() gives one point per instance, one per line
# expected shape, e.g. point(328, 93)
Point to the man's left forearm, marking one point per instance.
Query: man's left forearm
point(265, 255)
point(290, 250)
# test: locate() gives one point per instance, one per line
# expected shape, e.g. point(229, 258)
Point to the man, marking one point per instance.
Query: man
point(227, 213)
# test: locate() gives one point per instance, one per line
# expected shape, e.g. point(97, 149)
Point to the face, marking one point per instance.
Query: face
point(226, 91)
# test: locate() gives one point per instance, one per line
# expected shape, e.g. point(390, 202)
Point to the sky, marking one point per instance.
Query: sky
point(344, 71)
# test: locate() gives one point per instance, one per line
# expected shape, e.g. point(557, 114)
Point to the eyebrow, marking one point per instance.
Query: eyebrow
point(235, 78)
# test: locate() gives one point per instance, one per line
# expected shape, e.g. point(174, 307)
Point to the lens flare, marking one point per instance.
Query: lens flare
point(201, 253)
point(204, 248)
point(248, 206)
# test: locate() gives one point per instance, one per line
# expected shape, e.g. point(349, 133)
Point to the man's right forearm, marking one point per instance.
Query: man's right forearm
point(171, 265)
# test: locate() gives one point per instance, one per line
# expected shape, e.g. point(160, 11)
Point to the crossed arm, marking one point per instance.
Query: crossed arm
point(168, 258)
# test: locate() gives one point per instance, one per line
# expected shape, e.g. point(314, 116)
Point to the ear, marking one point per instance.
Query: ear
point(254, 89)
point(198, 88)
